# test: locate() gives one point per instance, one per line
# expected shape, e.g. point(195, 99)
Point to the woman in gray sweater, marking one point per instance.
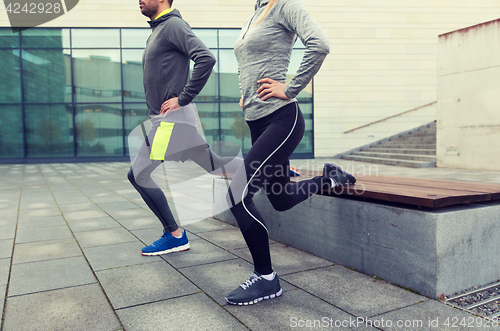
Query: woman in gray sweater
point(263, 51)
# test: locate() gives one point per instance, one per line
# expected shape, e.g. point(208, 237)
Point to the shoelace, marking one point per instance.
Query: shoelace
point(250, 282)
point(162, 239)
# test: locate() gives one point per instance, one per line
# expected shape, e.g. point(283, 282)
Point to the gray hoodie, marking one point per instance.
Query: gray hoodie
point(166, 62)
point(264, 50)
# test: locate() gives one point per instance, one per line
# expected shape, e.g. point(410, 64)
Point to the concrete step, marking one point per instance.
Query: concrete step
point(397, 144)
point(409, 157)
point(395, 162)
point(422, 151)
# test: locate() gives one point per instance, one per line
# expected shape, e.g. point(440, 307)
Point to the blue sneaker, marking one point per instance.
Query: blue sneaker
point(294, 172)
point(167, 244)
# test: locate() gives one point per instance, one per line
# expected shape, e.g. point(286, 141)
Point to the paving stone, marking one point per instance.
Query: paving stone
point(139, 223)
point(71, 199)
point(3, 292)
point(33, 234)
point(128, 213)
point(4, 271)
point(220, 278)
point(48, 204)
point(150, 235)
point(84, 214)
point(227, 239)
point(104, 237)
point(193, 312)
point(432, 315)
point(40, 222)
point(201, 252)
point(49, 275)
point(294, 309)
point(9, 212)
point(77, 308)
point(287, 259)
point(6, 246)
point(118, 255)
point(93, 224)
point(46, 250)
point(73, 207)
point(144, 283)
point(30, 213)
point(107, 198)
point(8, 227)
point(117, 205)
point(353, 292)
point(209, 224)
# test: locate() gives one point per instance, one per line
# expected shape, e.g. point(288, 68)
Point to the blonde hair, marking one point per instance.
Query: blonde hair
point(270, 5)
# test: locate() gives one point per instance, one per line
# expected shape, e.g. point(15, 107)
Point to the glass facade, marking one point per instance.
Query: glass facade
point(69, 94)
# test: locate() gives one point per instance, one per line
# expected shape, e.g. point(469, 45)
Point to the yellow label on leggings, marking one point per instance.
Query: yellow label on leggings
point(161, 140)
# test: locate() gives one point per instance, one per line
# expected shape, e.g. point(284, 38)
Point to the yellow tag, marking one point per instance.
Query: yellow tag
point(161, 140)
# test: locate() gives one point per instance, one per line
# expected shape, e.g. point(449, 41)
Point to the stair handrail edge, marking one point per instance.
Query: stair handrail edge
point(389, 117)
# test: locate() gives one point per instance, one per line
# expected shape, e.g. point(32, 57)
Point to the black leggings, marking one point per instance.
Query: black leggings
point(266, 166)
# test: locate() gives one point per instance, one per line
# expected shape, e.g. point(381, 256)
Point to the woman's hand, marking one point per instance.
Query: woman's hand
point(241, 102)
point(271, 88)
point(168, 106)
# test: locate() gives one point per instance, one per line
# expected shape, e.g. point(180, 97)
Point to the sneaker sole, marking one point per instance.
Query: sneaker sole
point(172, 250)
point(267, 297)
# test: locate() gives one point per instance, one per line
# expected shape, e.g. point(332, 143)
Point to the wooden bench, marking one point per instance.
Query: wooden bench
point(431, 236)
point(429, 193)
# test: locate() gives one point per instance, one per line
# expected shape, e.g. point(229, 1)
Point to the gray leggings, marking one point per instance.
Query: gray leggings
point(185, 143)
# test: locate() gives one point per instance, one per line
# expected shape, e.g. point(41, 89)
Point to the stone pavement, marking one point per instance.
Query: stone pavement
point(70, 259)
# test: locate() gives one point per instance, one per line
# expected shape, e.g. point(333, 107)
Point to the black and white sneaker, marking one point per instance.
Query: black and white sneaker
point(254, 290)
point(341, 177)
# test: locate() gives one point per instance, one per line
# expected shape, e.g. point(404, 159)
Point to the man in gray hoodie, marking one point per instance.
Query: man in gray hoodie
point(169, 93)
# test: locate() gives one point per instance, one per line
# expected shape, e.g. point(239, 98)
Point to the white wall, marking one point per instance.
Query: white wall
point(468, 130)
point(383, 52)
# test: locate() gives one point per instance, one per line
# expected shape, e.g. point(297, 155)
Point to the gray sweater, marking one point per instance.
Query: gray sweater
point(166, 62)
point(264, 50)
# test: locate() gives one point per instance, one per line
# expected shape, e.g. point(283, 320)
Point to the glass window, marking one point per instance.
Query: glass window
point(49, 130)
point(135, 114)
point(10, 78)
point(133, 87)
point(8, 39)
point(234, 127)
point(99, 130)
point(210, 91)
point(227, 37)
point(95, 38)
point(46, 76)
point(229, 84)
point(208, 36)
point(209, 118)
point(93, 78)
point(298, 44)
point(306, 94)
point(11, 134)
point(45, 38)
point(97, 75)
point(135, 38)
point(306, 144)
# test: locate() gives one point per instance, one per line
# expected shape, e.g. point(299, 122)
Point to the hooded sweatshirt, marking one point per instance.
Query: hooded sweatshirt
point(264, 51)
point(165, 62)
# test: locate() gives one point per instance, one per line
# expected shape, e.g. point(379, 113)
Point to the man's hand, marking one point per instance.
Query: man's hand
point(168, 106)
point(271, 88)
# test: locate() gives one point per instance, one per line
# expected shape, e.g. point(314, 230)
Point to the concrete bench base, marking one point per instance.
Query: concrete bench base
point(443, 251)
